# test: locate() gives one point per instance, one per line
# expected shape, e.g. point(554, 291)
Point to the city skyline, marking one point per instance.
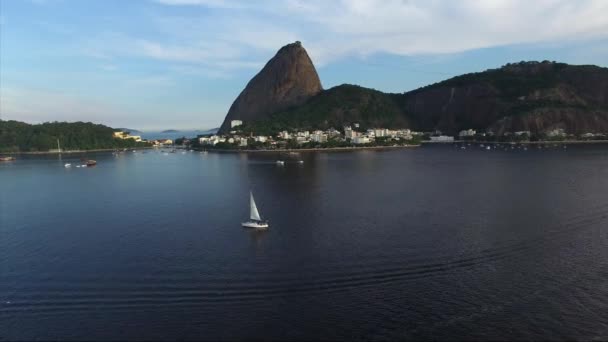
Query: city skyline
point(160, 64)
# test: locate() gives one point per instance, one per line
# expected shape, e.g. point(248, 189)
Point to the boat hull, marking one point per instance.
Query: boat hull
point(255, 225)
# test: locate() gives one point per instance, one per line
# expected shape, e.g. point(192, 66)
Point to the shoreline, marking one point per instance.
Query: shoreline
point(543, 142)
point(74, 151)
point(330, 149)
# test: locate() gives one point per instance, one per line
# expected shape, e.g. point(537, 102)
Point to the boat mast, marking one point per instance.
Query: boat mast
point(58, 146)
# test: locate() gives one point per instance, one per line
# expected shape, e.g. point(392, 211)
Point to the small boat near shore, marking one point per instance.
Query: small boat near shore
point(6, 159)
point(280, 162)
point(91, 163)
point(67, 165)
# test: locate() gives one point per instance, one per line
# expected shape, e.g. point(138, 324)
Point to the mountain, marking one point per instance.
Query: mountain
point(170, 131)
point(341, 105)
point(525, 96)
point(289, 79)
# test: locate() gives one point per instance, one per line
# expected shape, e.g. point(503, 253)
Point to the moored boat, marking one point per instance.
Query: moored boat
point(91, 162)
point(9, 158)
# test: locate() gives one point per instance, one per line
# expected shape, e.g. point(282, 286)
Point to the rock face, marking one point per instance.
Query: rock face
point(287, 80)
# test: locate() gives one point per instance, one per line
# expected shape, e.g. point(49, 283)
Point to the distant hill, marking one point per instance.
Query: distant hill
point(18, 136)
point(209, 131)
point(170, 131)
point(525, 96)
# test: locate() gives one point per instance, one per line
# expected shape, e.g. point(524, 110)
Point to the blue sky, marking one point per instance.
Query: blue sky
point(159, 64)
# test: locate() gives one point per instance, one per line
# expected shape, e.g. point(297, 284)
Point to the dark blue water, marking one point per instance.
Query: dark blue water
point(427, 243)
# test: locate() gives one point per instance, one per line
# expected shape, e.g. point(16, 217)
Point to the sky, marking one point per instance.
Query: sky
point(179, 64)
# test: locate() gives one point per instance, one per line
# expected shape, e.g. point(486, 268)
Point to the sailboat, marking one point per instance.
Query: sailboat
point(255, 221)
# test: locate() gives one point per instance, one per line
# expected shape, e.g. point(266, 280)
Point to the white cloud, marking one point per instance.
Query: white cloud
point(336, 29)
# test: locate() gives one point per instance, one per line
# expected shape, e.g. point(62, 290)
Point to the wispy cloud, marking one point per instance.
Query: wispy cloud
point(337, 29)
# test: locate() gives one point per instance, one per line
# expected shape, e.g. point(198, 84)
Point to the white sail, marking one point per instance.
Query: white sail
point(254, 214)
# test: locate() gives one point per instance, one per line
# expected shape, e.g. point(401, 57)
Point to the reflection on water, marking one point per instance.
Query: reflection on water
point(428, 243)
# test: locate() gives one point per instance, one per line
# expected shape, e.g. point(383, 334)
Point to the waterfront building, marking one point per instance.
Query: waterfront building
point(362, 140)
point(318, 136)
point(558, 132)
point(442, 138)
point(380, 132)
point(333, 133)
point(349, 133)
point(125, 135)
point(304, 134)
point(467, 133)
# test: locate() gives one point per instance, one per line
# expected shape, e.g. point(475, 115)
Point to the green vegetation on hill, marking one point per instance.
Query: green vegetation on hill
point(335, 107)
point(538, 96)
point(511, 81)
point(18, 136)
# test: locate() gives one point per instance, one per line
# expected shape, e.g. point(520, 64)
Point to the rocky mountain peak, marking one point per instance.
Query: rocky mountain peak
point(287, 80)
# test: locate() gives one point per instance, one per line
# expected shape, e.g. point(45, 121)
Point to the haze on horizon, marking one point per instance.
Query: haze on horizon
point(159, 64)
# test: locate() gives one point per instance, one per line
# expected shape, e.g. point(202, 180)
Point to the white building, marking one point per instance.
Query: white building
point(261, 138)
point(404, 133)
point(558, 132)
point(125, 135)
point(380, 132)
point(304, 134)
point(467, 133)
point(318, 136)
point(235, 123)
point(361, 140)
point(442, 138)
point(349, 133)
point(212, 140)
point(284, 135)
point(333, 133)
